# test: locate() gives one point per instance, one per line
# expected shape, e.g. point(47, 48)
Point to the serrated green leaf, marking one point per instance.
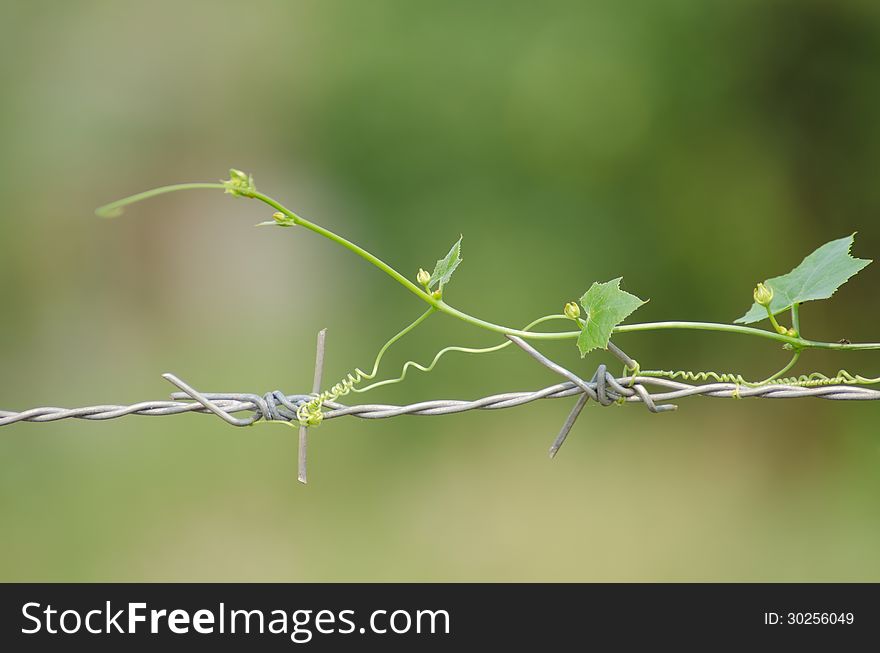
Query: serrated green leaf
point(446, 266)
point(818, 276)
point(605, 306)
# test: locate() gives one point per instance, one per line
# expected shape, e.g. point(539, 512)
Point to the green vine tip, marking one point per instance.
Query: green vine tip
point(239, 184)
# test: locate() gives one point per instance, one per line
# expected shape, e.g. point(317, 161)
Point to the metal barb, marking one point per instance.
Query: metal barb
point(596, 389)
point(569, 422)
point(207, 403)
point(546, 362)
point(302, 452)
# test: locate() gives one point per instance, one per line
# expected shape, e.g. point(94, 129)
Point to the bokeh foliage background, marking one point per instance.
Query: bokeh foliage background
point(694, 147)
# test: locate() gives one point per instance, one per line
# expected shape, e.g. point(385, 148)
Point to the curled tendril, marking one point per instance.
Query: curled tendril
point(812, 380)
point(309, 413)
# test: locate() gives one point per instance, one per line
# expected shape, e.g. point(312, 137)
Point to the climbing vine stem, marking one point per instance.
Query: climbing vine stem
point(606, 306)
point(242, 186)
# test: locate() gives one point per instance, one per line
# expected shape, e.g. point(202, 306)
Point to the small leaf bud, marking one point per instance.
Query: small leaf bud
point(763, 294)
point(572, 310)
point(237, 176)
point(239, 184)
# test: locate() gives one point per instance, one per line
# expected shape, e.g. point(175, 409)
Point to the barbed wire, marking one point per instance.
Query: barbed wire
point(603, 388)
point(285, 405)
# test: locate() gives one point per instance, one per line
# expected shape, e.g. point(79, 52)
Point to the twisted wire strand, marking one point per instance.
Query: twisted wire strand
point(603, 388)
point(278, 406)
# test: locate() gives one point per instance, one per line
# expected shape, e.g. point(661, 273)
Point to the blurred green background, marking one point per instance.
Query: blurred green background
point(694, 147)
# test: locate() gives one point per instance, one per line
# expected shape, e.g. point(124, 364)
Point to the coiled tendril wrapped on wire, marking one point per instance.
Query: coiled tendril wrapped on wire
point(812, 380)
point(310, 414)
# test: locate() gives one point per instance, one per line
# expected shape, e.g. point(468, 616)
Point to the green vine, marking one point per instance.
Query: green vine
point(605, 306)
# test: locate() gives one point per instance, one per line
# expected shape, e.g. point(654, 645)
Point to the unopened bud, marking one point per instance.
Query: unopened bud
point(763, 294)
point(437, 294)
point(572, 310)
point(279, 217)
point(423, 277)
point(792, 333)
point(238, 176)
point(239, 184)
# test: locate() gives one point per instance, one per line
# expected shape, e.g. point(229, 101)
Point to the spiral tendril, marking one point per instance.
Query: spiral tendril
point(812, 380)
point(310, 413)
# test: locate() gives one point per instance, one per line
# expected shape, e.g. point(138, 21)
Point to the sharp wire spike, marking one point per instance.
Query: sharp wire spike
point(569, 422)
point(207, 403)
point(596, 389)
point(302, 450)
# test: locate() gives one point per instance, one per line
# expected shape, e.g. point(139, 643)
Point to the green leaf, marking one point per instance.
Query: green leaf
point(605, 306)
point(446, 266)
point(818, 276)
